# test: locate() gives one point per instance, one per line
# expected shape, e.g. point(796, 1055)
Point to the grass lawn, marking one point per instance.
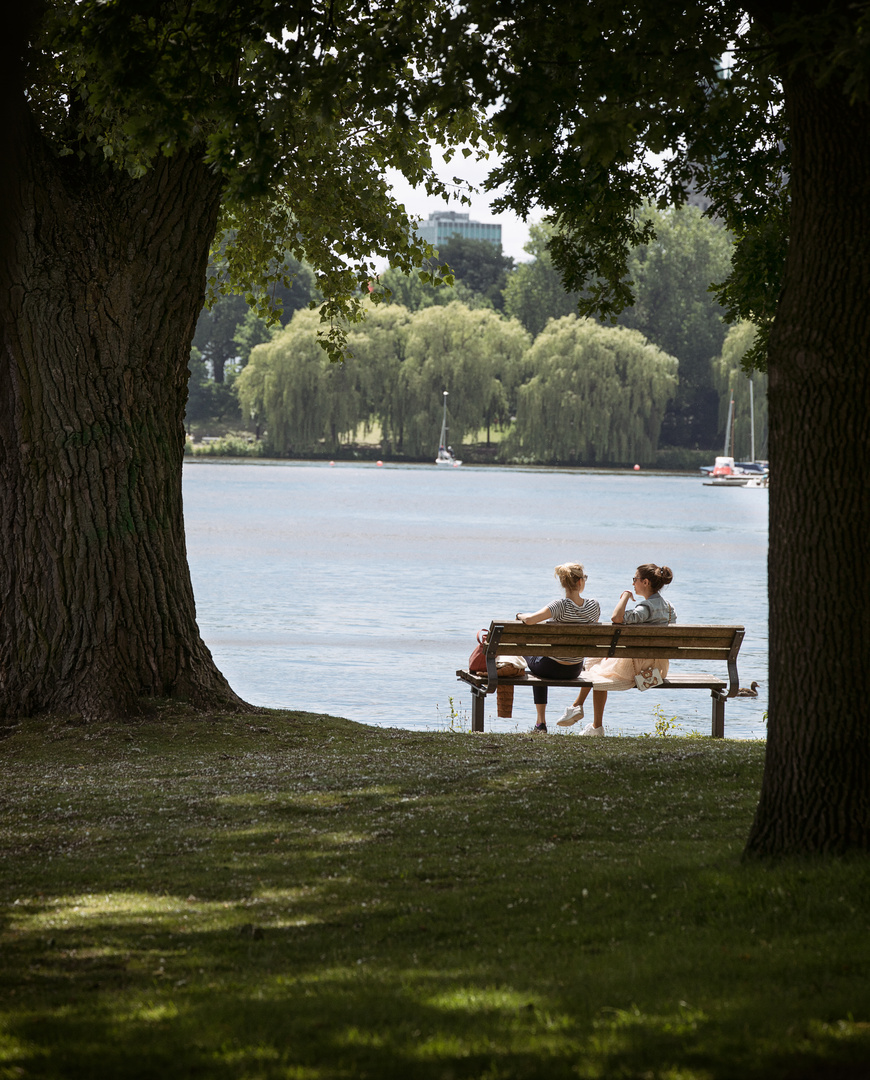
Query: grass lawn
point(291, 895)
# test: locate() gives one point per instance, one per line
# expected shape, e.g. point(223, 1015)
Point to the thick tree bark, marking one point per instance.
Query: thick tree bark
point(816, 790)
point(99, 303)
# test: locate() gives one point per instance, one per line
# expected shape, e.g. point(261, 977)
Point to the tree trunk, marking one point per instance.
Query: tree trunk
point(99, 304)
point(218, 364)
point(816, 790)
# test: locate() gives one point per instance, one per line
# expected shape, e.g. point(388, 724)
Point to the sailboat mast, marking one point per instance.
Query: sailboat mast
point(444, 423)
point(729, 423)
point(752, 418)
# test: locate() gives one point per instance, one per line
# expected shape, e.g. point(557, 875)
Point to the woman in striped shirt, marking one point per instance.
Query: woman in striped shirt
point(573, 608)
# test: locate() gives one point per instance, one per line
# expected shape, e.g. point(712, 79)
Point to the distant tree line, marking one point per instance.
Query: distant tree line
point(505, 341)
point(402, 362)
point(580, 393)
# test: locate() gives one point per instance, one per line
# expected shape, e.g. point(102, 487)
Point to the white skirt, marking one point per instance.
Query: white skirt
point(618, 672)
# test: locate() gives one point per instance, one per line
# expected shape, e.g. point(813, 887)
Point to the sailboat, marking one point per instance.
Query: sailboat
point(445, 452)
point(762, 468)
point(726, 472)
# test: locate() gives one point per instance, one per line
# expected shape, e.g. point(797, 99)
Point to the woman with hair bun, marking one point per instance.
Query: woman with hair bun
point(615, 673)
point(573, 608)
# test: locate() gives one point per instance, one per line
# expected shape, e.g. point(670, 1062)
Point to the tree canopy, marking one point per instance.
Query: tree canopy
point(673, 307)
point(605, 108)
point(479, 265)
point(597, 395)
point(534, 292)
point(400, 365)
point(416, 290)
point(299, 110)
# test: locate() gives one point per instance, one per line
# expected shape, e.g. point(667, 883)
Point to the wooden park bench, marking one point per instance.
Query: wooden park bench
point(674, 643)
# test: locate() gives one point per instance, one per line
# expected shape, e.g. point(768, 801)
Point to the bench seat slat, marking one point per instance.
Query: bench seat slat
point(695, 681)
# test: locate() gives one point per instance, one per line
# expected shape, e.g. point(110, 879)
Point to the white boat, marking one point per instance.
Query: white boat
point(445, 452)
point(725, 471)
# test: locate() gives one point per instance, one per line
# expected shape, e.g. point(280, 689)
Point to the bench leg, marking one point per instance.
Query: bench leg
point(477, 702)
point(718, 731)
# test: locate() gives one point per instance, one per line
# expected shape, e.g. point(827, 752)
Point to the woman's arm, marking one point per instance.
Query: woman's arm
point(641, 614)
point(618, 615)
point(538, 616)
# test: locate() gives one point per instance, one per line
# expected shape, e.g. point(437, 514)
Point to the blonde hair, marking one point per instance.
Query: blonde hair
point(569, 574)
point(657, 576)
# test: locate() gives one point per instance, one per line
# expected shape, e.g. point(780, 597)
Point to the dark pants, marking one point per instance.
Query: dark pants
point(547, 668)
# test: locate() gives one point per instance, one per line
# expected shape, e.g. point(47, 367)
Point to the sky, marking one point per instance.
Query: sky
point(514, 232)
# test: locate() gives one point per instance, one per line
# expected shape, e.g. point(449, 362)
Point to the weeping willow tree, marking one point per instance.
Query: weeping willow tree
point(379, 348)
point(597, 395)
point(733, 383)
point(475, 355)
point(305, 401)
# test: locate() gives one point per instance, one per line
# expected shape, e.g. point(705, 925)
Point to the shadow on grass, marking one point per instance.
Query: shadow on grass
point(314, 901)
point(266, 1010)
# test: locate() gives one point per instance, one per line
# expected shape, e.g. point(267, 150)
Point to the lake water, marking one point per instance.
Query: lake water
point(356, 590)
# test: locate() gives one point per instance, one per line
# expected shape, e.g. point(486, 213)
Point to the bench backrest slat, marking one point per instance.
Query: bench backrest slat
point(686, 642)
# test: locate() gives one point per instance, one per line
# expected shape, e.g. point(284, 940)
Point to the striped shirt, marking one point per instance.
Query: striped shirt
point(565, 610)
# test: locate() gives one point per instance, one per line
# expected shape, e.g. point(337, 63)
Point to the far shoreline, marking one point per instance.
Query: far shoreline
point(630, 470)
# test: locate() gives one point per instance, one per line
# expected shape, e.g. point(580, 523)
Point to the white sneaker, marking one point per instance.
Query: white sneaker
point(590, 729)
point(570, 716)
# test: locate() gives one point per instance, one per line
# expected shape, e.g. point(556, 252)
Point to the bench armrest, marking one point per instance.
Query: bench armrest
point(733, 682)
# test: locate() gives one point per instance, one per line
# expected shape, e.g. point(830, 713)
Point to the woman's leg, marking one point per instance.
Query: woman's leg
point(539, 694)
point(547, 668)
point(599, 700)
point(582, 696)
point(538, 666)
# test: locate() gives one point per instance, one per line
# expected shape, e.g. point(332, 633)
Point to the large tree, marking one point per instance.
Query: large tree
point(534, 292)
point(141, 134)
point(673, 307)
point(290, 386)
point(479, 265)
point(596, 395)
point(475, 355)
point(765, 108)
point(675, 310)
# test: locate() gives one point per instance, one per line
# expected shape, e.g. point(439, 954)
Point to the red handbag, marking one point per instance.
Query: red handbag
point(477, 660)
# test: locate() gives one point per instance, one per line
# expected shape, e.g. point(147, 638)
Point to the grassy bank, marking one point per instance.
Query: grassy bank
point(286, 895)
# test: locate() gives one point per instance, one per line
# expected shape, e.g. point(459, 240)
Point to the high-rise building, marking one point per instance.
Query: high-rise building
point(445, 224)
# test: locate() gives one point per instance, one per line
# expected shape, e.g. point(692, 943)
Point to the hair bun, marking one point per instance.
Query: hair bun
point(658, 576)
